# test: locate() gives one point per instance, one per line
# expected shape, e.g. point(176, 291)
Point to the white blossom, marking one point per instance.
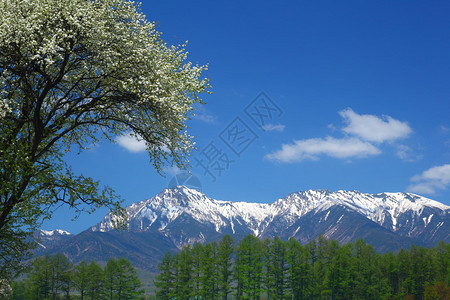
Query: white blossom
point(110, 51)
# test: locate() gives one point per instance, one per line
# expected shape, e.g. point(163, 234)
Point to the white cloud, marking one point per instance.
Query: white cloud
point(374, 129)
point(363, 131)
point(205, 117)
point(273, 127)
point(431, 180)
point(406, 153)
point(173, 170)
point(445, 129)
point(313, 148)
point(131, 143)
point(202, 114)
point(331, 127)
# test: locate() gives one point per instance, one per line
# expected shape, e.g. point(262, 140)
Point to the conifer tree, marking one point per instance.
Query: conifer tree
point(96, 281)
point(61, 267)
point(441, 262)
point(197, 268)
point(366, 271)
point(40, 277)
point(183, 281)
point(276, 268)
point(128, 284)
point(249, 262)
point(225, 250)
point(111, 273)
point(404, 273)
point(81, 278)
point(311, 249)
point(165, 281)
point(320, 268)
point(331, 280)
point(391, 271)
point(209, 271)
point(295, 270)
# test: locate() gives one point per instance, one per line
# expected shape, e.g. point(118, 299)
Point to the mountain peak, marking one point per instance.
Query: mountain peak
point(181, 193)
point(54, 232)
point(181, 189)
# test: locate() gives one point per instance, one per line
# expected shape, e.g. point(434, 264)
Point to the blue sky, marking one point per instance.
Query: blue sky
point(306, 95)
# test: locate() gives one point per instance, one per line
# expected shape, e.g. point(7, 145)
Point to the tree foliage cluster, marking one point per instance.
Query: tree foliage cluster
point(321, 269)
point(54, 277)
point(74, 72)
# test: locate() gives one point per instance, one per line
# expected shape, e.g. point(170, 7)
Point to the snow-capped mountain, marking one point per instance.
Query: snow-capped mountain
point(56, 232)
point(186, 216)
point(48, 238)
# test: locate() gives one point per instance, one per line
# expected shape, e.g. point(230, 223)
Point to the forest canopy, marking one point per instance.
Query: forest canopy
point(321, 269)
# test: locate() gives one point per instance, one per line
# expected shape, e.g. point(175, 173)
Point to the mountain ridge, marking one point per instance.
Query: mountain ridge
point(388, 210)
point(180, 216)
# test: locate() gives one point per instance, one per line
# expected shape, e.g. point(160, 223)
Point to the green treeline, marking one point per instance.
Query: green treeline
point(54, 277)
point(321, 269)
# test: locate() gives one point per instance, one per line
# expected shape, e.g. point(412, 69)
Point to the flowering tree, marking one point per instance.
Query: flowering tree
point(73, 72)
